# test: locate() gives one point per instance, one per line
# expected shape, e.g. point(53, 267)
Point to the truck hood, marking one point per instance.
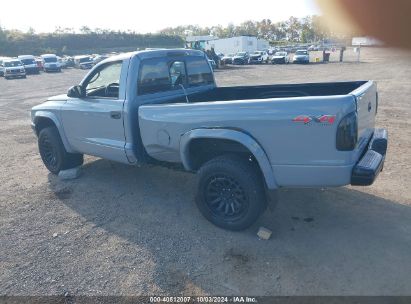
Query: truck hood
point(62, 97)
point(278, 57)
point(51, 104)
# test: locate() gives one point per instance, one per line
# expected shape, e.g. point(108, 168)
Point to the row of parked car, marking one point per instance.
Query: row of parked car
point(22, 65)
point(19, 67)
point(280, 57)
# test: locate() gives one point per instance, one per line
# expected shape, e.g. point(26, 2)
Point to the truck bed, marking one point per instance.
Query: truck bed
point(268, 114)
point(276, 91)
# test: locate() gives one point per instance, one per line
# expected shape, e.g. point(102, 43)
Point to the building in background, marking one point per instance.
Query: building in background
point(237, 44)
point(365, 41)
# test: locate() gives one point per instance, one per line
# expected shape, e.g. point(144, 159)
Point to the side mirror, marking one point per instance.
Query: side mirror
point(75, 91)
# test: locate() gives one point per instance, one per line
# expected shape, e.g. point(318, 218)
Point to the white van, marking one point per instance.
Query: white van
point(30, 64)
point(50, 63)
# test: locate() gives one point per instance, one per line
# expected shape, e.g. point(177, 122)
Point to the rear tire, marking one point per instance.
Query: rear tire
point(230, 192)
point(52, 152)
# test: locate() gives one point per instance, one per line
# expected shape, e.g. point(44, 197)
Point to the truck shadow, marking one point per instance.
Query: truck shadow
point(331, 241)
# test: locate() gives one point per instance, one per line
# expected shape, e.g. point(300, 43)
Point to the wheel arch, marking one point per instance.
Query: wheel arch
point(43, 119)
point(228, 139)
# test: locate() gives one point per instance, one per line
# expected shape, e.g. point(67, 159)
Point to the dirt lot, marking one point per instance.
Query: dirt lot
point(136, 231)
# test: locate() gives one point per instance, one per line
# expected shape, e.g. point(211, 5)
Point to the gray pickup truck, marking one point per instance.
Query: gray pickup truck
point(163, 106)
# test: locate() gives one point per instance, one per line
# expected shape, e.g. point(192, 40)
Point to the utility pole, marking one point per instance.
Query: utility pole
point(358, 53)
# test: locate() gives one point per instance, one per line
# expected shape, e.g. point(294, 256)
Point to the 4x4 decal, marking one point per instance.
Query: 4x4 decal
point(323, 119)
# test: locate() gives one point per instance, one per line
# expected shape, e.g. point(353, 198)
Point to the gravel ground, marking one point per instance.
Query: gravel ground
point(122, 230)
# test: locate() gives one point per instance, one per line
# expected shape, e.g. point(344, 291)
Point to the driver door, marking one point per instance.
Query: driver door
point(93, 124)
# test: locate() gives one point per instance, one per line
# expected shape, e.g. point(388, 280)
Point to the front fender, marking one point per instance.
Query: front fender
point(37, 115)
point(242, 138)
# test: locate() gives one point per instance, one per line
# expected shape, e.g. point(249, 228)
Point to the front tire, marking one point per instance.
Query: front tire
point(230, 192)
point(52, 152)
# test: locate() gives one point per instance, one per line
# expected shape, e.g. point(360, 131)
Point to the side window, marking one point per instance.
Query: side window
point(154, 77)
point(159, 75)
point(105, 82)
point(199, 72)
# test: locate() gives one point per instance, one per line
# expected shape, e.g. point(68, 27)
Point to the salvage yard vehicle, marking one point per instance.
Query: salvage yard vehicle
point(240, 58)
point(83, 62)
point(39, 63)
point(50, 63)
point(13, 68)
point(2, 59)
point(244, 142)
point(227, 59)
point(258, 57)
point(301, 56)
point(30, 64)
point(68, 62)
point(280, 58)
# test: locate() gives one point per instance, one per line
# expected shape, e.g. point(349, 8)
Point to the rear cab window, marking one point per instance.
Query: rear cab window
point(168, 74)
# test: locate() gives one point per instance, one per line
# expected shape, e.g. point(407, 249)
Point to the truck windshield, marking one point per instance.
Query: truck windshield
point(28, 61)
point(85, 59)
point(50, 59)
point(9, 64)
point(301, 53)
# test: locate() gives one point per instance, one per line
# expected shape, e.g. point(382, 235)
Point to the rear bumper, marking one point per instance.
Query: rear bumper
point(278, 60)
point(371, 163)
point(239, 61)
point(52, 68)
point(255, 60)
point(86, 66)
point(301, 61)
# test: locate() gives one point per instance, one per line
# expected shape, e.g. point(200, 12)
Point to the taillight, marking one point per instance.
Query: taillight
point(347, 132)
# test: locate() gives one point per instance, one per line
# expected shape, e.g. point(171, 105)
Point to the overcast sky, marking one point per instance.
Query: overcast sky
point(144, 16)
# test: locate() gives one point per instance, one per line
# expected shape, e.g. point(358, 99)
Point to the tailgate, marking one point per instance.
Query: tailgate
point(366, 100)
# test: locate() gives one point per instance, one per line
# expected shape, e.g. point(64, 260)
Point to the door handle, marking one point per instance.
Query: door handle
point(115, 114)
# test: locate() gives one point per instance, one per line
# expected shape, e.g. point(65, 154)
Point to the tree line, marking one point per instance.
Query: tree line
point(67, 42)
point(310, 29)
